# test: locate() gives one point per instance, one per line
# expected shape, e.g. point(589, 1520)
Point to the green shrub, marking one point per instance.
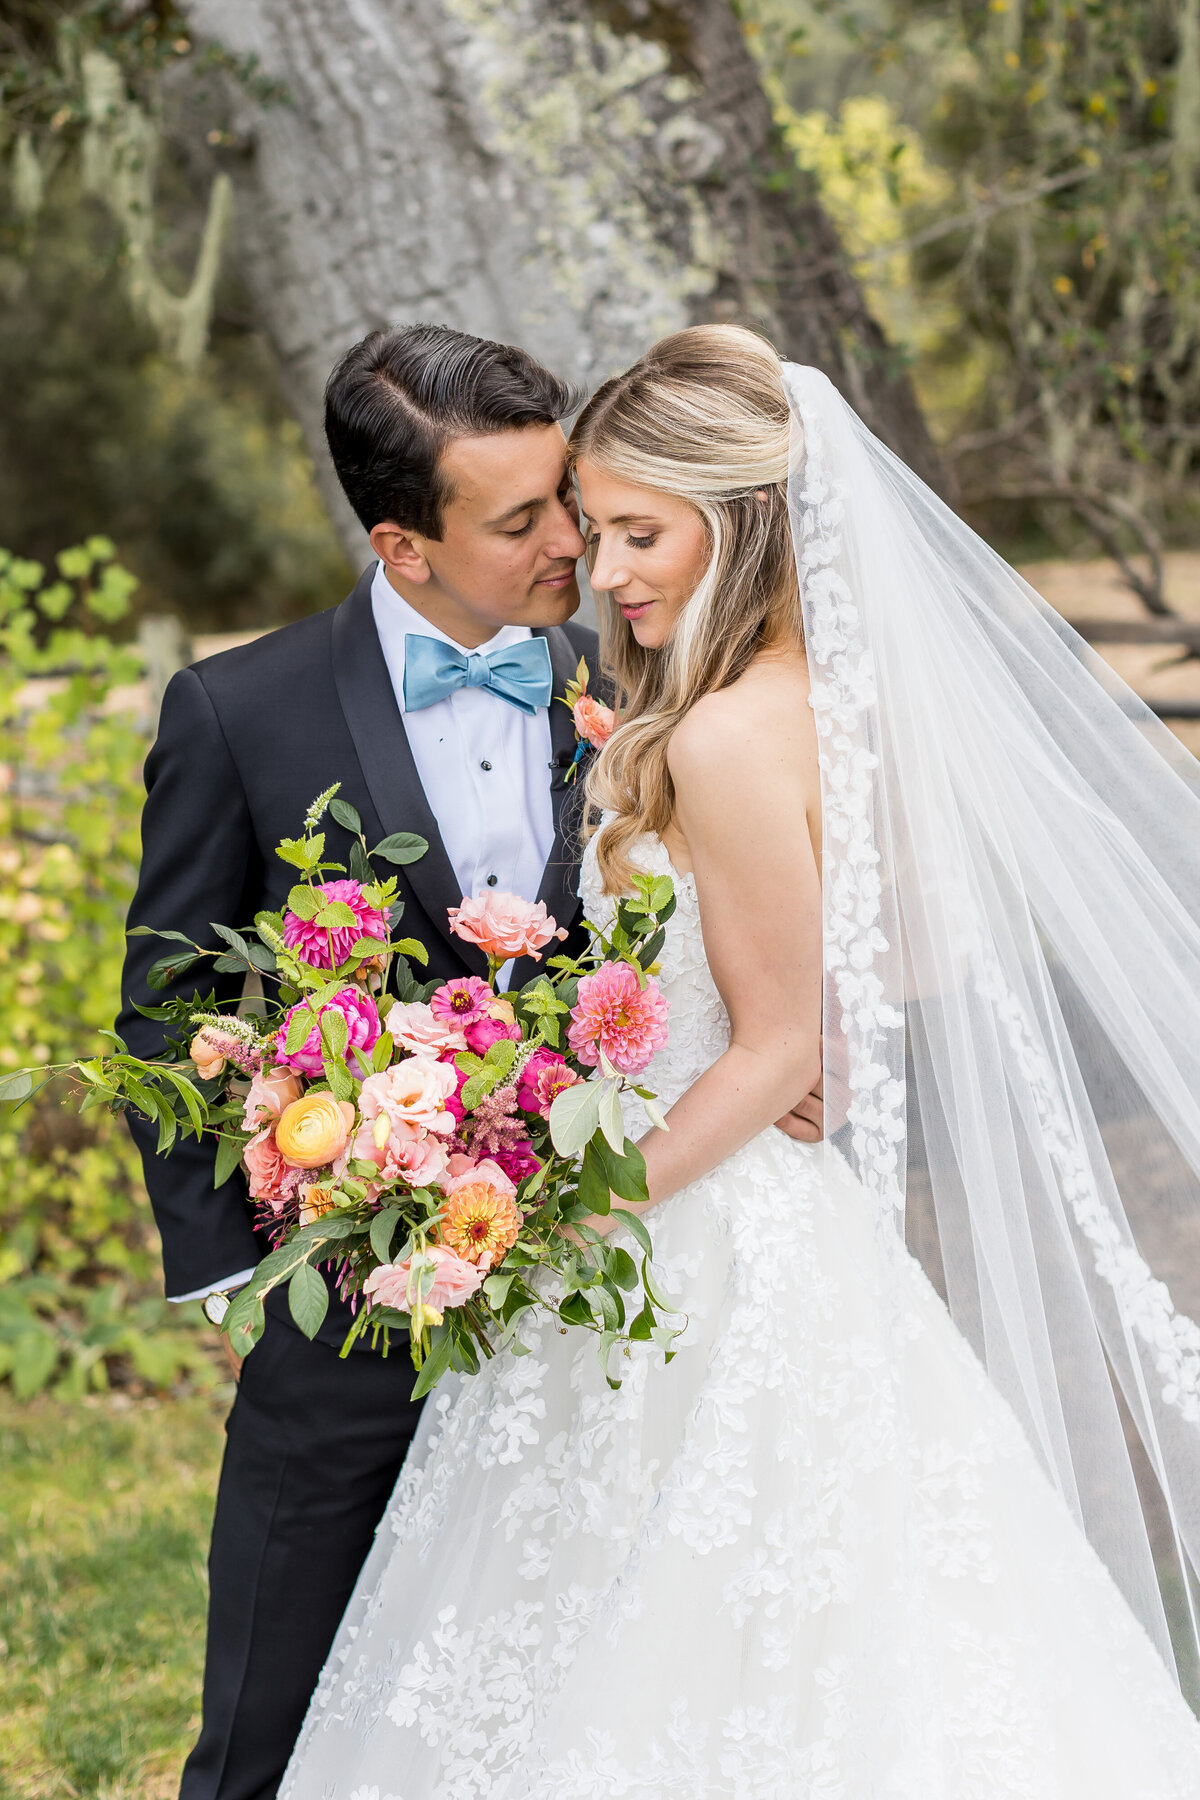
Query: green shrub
point(78, 1252)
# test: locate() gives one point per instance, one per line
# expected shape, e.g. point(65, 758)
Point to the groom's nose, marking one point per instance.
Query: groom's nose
point(564, 539)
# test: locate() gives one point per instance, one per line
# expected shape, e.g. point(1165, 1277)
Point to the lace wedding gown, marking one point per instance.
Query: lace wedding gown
point(811, 1559)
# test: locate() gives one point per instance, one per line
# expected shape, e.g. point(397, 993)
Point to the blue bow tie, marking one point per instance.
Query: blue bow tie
point(520, 673)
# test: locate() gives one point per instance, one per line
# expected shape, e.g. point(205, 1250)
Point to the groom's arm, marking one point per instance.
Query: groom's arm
point(200, 863)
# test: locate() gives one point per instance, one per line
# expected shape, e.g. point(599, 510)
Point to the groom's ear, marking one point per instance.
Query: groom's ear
point(401, 551)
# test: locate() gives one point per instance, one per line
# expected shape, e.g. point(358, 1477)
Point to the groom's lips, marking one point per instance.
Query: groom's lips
point(556, 581)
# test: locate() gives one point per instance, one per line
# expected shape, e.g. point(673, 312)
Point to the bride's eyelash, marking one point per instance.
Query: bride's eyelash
point(641, 543)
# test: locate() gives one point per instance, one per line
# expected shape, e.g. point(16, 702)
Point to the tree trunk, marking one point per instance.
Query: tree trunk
point(577, 176)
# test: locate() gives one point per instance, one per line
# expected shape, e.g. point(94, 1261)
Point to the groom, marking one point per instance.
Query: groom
point(427, 695)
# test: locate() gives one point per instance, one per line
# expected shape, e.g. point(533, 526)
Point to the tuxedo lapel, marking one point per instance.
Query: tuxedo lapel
point(368, 700)
point(560, 876)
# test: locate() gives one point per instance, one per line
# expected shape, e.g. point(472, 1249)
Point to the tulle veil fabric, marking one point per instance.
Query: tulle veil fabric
point(1012, 983)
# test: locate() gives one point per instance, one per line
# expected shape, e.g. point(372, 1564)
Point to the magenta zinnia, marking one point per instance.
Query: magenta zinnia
point(312, 942)
point(616, 1014)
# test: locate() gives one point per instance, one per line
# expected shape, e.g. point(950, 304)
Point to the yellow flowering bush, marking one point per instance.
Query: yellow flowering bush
point(78, 1252)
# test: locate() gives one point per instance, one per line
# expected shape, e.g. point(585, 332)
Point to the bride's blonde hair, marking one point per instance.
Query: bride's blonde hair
point(704, 416)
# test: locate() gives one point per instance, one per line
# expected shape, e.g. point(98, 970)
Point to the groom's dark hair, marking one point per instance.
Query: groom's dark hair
point(400, 396)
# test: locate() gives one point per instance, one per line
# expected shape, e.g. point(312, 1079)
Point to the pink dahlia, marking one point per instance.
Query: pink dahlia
point(362, 1022)
point(616, 1014)
point(543, 1078)
point(313, 942)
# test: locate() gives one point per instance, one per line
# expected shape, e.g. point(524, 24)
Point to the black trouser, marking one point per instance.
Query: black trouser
point(314, 1446)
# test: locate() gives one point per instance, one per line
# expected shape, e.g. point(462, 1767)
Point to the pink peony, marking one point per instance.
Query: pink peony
point(544, 1076)
point(594, 721)
point(504, 925)
point(361, 1016)
point(269, 1094)
point(418, 1029)
point(614, 1013)
point(461, 1001)
point(412, 1092)
point(271, 1178)
point(518, 1162)
point(312, 942)
point(464, 1171)
point(454, 1281)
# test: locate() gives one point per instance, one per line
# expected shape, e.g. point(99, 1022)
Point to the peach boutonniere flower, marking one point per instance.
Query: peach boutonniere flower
point(594, 722)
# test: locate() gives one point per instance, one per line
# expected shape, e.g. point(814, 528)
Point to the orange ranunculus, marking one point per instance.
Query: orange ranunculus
point(313, 1130)
point(479, 1223)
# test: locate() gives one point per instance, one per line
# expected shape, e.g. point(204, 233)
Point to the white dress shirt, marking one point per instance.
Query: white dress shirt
point(483, 763)
point(485, 769)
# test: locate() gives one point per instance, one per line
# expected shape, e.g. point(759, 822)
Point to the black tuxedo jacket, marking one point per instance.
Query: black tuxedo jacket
point(246, 741)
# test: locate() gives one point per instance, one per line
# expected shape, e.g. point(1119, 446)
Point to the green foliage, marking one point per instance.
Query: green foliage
point(1049, 281)
point(78, 1251)
point(104, 1519)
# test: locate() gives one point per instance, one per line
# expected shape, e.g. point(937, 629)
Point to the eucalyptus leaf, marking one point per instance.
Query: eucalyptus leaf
point(436, 1363)
point(574, 1117)
point(383, 1227)
point(17, 1086)
point(612, 1122)
point(229, 1155)
point(166, 969)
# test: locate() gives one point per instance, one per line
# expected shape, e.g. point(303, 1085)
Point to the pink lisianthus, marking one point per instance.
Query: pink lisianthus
point(408, 1154)
point(461, 1001)
point(504, 925)
point(543, 1078)
point(271, 1178)
point(464, 1171)
point(518, 1162)
point(269, 1094)
point(416, 1028)
point(412, 1092)
point(362, 1022)
point(618, 1016)
point(397, 1284)
point(312, 942)
point(594, 721)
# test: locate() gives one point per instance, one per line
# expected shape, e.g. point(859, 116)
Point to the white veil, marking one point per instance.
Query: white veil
point(1012, 984)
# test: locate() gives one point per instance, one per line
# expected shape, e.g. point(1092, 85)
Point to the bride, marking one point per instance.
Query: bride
point(849, 1543)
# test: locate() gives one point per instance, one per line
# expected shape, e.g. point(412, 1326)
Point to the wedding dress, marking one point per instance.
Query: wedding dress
point(813, 1556)
point(851, 1544)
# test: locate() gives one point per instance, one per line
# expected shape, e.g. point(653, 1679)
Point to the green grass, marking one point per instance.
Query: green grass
point(105, 1508)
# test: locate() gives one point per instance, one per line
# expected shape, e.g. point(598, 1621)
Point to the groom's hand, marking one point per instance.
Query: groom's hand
point(806, 1122)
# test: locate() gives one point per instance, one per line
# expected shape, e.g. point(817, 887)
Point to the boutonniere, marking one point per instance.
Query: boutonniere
point(594, 722)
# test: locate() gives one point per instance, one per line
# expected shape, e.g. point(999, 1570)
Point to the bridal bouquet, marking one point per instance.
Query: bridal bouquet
point(440, 1144)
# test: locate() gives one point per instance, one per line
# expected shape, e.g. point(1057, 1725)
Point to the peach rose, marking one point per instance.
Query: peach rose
point(504, 925)
point(412, 1092)
point(208, 1059)
point(313, 1130)
point(417, 1029)
point(593, 721)
point(271, 1178)
point(269, 1094)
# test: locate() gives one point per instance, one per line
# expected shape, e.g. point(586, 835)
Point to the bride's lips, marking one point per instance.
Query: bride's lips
point(635, 612)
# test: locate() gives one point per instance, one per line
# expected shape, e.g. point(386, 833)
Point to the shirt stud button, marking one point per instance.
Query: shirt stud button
point(487, 766)
point(491, 881)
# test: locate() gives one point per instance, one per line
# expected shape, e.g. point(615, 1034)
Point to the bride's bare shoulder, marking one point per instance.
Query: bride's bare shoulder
point(762, 719)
